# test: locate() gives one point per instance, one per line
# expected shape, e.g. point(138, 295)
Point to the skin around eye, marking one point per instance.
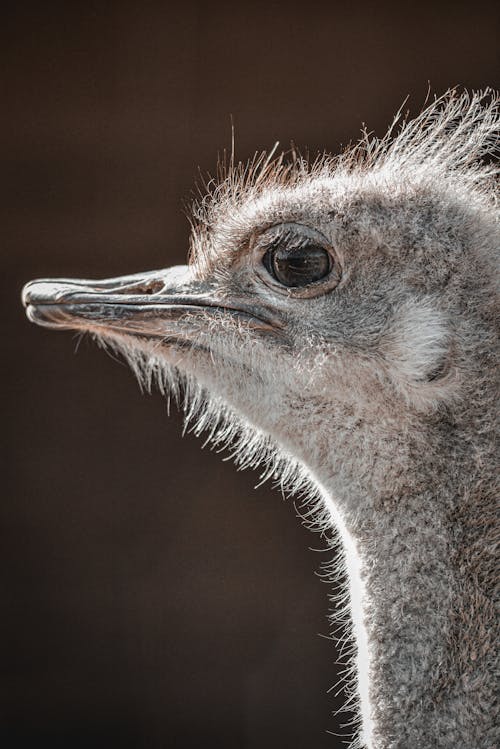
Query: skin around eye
point(296, 260)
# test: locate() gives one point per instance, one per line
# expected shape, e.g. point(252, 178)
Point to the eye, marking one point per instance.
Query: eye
point(298, 257)
point(299, 266)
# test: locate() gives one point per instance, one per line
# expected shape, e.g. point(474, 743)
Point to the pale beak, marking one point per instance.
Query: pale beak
point(145, 305)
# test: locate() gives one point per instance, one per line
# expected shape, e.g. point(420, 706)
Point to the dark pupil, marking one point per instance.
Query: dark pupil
point(298, 267)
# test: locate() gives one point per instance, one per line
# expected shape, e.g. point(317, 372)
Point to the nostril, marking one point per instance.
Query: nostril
point(136, 288)
point(151, 287)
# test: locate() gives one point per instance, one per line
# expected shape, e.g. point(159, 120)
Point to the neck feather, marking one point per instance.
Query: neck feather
point(421, 571)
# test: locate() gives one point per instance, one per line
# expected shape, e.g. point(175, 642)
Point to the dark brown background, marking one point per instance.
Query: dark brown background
point(150, 596)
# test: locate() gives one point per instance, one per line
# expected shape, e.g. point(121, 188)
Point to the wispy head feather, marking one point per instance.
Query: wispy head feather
point(451, 146)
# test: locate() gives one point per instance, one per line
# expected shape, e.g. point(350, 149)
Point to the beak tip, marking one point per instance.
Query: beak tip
point(25, 294)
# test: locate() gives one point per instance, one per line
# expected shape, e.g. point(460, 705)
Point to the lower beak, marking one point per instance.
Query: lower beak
point(150, 305)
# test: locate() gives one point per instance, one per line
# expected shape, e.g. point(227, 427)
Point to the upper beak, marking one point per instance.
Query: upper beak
point(146, 304)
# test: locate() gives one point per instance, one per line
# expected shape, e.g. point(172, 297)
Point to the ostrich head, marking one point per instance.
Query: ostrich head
point(335, 321)
point(314, 291)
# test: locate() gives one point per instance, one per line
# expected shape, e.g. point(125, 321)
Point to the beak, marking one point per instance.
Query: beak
point(153, 304)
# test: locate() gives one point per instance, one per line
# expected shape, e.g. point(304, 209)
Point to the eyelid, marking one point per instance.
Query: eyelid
point(296, 235)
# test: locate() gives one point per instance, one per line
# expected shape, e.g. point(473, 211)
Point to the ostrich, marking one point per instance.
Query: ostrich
point(336, 325)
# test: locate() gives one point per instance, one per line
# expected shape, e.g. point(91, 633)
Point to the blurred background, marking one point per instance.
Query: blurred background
point(150, 596)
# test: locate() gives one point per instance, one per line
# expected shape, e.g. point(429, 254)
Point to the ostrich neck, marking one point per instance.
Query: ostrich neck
point(421, 609)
